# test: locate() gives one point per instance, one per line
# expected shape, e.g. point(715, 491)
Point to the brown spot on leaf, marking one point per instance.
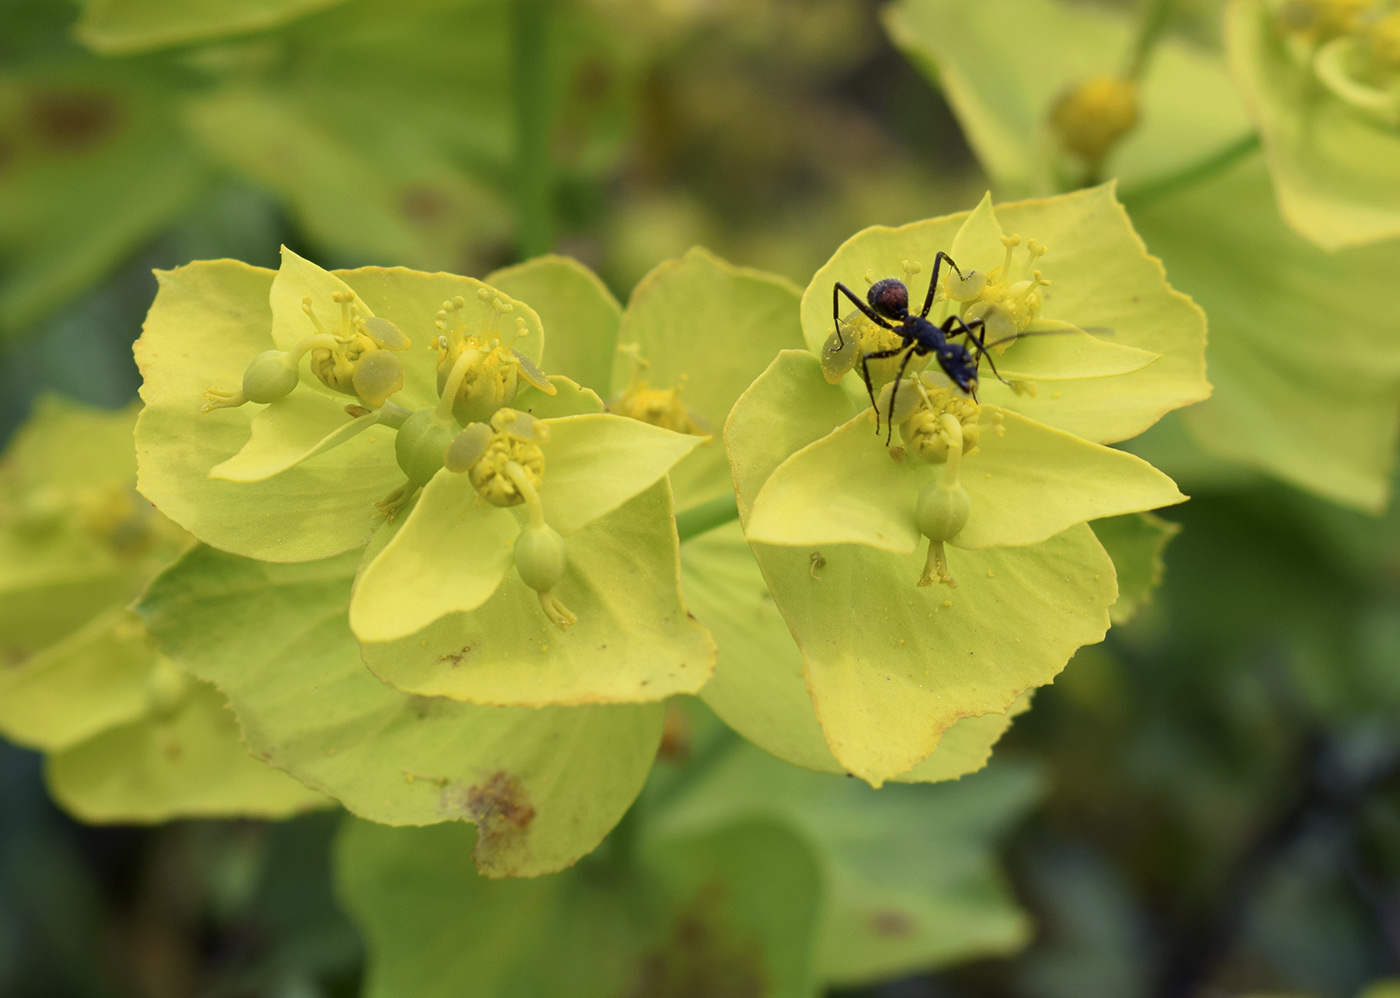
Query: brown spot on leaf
point(891, 923)
point(455, 658)
point(424, 205)
point(72, 121)
point(501, 809)
point(675, 736)
point(702, 957)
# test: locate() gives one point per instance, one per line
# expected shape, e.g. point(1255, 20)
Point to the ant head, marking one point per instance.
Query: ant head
point(960, 366)
point(889, 297)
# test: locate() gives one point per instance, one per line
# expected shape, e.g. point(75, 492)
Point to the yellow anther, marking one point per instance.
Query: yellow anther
point(927, 433)
point(488, 475)
point(483, 294)
point(869, 276)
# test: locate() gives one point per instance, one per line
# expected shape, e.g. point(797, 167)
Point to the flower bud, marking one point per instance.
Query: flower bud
point(421, 444)
point(540, 557)
point(1094, 115)
point(269, 377)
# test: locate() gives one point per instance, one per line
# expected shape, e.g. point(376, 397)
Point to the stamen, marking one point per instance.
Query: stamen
point(1010, 242)
point(306, 308)
point(1034, 251)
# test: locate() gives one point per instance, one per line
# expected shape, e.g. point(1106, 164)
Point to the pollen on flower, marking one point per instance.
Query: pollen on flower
point(1012, 296)
point(355, 357)
point(360, 360)
point(490, 476)
point(493, 368)
point(658, 406)
point(924, 431)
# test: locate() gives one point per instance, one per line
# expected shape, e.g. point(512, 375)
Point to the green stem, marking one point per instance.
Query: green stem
point(1154, 22)
point(707, 516)
point(531, 84)
point(1158, 188)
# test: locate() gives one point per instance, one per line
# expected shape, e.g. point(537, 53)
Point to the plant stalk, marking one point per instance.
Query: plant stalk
point(531, 87)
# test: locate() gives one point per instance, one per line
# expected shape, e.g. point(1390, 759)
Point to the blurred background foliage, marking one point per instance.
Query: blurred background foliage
point(1208, 803)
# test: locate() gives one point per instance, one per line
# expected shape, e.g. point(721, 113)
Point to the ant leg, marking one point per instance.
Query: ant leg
point(865, 373)
point(836, 292)
point(939, 257)
point(894, 391)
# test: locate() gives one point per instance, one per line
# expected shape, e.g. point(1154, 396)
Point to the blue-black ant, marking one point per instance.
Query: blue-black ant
point(888, 307)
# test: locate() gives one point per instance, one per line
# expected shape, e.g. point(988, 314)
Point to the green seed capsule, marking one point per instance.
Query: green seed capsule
point(540, 557)
point(378, 374)
point(269, 377)
point(421, 444)
point(941, 512)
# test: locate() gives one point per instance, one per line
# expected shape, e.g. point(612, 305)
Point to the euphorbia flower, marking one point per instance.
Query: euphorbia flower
point(838, 521)
point(1321, 81)
point(316, 468)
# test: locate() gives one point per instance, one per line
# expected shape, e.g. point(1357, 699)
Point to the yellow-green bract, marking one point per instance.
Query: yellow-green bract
point(829, 510)
point(1328, 111)
point(129, 736)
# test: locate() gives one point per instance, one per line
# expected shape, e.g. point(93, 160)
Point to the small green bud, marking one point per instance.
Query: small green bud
point(269, 377)
point(378, 374)
point(540, 557)
point(941, 511)
point(421, 444)
point(166, 687)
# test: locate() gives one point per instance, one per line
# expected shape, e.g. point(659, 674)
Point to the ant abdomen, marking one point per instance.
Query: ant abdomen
point(889, 297)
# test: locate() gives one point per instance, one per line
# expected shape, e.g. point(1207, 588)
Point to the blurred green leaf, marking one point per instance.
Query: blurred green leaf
point(181, 760)
point(1135, 543)
point(910, 879)
point(731, 912)
point(121, 27)
point(92, 164)
point(1303, 355)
